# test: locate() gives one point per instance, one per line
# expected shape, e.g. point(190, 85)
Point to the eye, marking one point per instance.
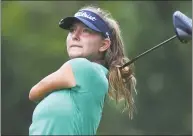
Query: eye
point(88, 30)
point(72, 29)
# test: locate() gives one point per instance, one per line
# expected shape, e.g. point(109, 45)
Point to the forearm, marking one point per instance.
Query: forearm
point(62, 78)
point(42, 88)
point(38, 91)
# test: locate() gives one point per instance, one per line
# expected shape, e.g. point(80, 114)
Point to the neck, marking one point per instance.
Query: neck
point(99, 60)
point(102, 62)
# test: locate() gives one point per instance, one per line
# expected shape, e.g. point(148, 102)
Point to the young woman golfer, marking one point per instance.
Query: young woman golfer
point(71, 99)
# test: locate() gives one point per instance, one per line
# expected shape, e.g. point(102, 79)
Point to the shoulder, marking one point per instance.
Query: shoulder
point(87, 72)
point(80, 64)
point(79, 61)
point(82, 69)
point(85, 65)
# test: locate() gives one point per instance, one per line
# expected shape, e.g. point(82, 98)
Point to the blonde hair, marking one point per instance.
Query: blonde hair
point(122, 81)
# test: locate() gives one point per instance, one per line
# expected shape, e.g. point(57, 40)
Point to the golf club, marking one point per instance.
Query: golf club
point(183, 29)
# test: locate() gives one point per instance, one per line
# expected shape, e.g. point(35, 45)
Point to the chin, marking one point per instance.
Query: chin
point(75, 56)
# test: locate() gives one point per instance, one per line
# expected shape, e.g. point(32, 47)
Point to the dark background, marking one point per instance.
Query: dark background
point(33, 46)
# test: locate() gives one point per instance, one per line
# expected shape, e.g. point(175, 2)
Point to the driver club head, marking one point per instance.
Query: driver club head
point(183, 26)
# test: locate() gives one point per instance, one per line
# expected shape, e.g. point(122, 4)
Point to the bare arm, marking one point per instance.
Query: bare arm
point(62, 78)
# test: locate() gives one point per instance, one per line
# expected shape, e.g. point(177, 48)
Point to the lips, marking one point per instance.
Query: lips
point(75, 46)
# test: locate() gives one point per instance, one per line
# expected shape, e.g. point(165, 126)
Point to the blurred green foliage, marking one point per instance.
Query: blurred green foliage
point(33, 46)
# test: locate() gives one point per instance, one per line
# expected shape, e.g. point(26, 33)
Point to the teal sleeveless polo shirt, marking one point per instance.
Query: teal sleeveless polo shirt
point(74, 111)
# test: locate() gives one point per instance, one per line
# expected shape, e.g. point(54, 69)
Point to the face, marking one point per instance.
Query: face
point(84, 42)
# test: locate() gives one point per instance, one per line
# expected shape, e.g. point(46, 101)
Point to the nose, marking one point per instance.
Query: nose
point(76, 35)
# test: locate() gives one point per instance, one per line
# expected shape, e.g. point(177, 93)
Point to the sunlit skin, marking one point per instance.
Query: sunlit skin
point(84, 42)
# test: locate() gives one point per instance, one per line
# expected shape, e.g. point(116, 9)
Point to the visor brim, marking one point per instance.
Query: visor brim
point(67, 22)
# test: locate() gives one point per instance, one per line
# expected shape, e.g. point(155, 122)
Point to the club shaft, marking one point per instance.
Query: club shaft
point(148, 51)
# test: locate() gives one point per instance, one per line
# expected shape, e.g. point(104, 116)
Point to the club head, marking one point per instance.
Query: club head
point(183, 26)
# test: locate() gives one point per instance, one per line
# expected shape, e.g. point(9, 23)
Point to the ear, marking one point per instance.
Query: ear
point(105, 45)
